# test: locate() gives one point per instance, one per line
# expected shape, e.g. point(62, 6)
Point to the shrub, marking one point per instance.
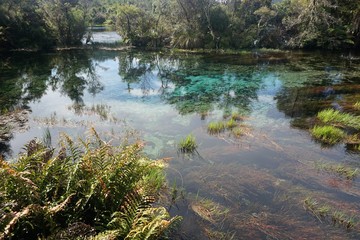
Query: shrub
point(88, 189)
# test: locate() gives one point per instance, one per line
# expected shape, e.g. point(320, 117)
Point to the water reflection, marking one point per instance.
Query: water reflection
point(257, 183)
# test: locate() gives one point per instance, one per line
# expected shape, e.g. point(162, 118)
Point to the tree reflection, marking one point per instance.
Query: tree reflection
point(74, 72)
point(26, 78)
point(190, 83)
point(134, 69)
point(29, 78)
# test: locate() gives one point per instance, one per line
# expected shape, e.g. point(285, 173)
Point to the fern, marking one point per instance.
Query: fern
point(137, 219)
point(90, 184)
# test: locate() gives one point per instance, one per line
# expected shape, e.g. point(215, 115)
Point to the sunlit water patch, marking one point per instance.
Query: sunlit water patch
point(247, 183)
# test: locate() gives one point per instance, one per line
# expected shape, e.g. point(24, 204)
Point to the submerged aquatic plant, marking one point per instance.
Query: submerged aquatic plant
point(343, 171)
point(327, 134)
point(187, 144)
point(93, 187)
point(215, 127)
point(323, 211)
point(209, 210)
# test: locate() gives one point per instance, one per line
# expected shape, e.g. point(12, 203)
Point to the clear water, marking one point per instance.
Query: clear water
point(102, 35)
point(252, 187)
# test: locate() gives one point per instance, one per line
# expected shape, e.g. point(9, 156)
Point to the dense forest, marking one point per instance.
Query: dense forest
point(234, 24)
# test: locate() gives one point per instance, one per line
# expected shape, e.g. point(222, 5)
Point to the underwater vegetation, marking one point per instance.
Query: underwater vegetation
point(89, 189)
point(339, 169)
point(327, 134)
point(325, 212)
point(187, 144)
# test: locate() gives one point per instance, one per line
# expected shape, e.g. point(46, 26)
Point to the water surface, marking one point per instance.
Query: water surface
point(251, 187)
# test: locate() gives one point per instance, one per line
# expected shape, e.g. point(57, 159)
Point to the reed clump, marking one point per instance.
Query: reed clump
point(216, 127)
point(188, 144)
point(337, 118)
point(328, 134)
point(230, 123)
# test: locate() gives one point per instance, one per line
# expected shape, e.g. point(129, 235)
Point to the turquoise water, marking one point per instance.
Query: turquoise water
point(247, 187)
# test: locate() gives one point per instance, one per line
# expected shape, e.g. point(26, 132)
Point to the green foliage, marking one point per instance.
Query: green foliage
point(185, 23)
point(357, 105)
point(106, 188)
point(66, 19)
point(215, 127)
point(331, 116)
point(21, 26)
point(230, 124)
point(327, 134)
point(187, 144)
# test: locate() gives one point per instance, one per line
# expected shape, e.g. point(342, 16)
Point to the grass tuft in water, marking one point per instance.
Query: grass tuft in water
point(328, 134)
point(231, 124)
point(215, 127)
point(331, 116)
point(237, 132)
point(236, 116)
point(357, 105)
point(188, 144)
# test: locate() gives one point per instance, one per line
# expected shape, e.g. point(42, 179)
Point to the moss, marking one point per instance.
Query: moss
point(327, 134)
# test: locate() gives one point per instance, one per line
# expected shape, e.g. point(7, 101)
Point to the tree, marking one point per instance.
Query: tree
point(67, 20)
point(22, 26)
